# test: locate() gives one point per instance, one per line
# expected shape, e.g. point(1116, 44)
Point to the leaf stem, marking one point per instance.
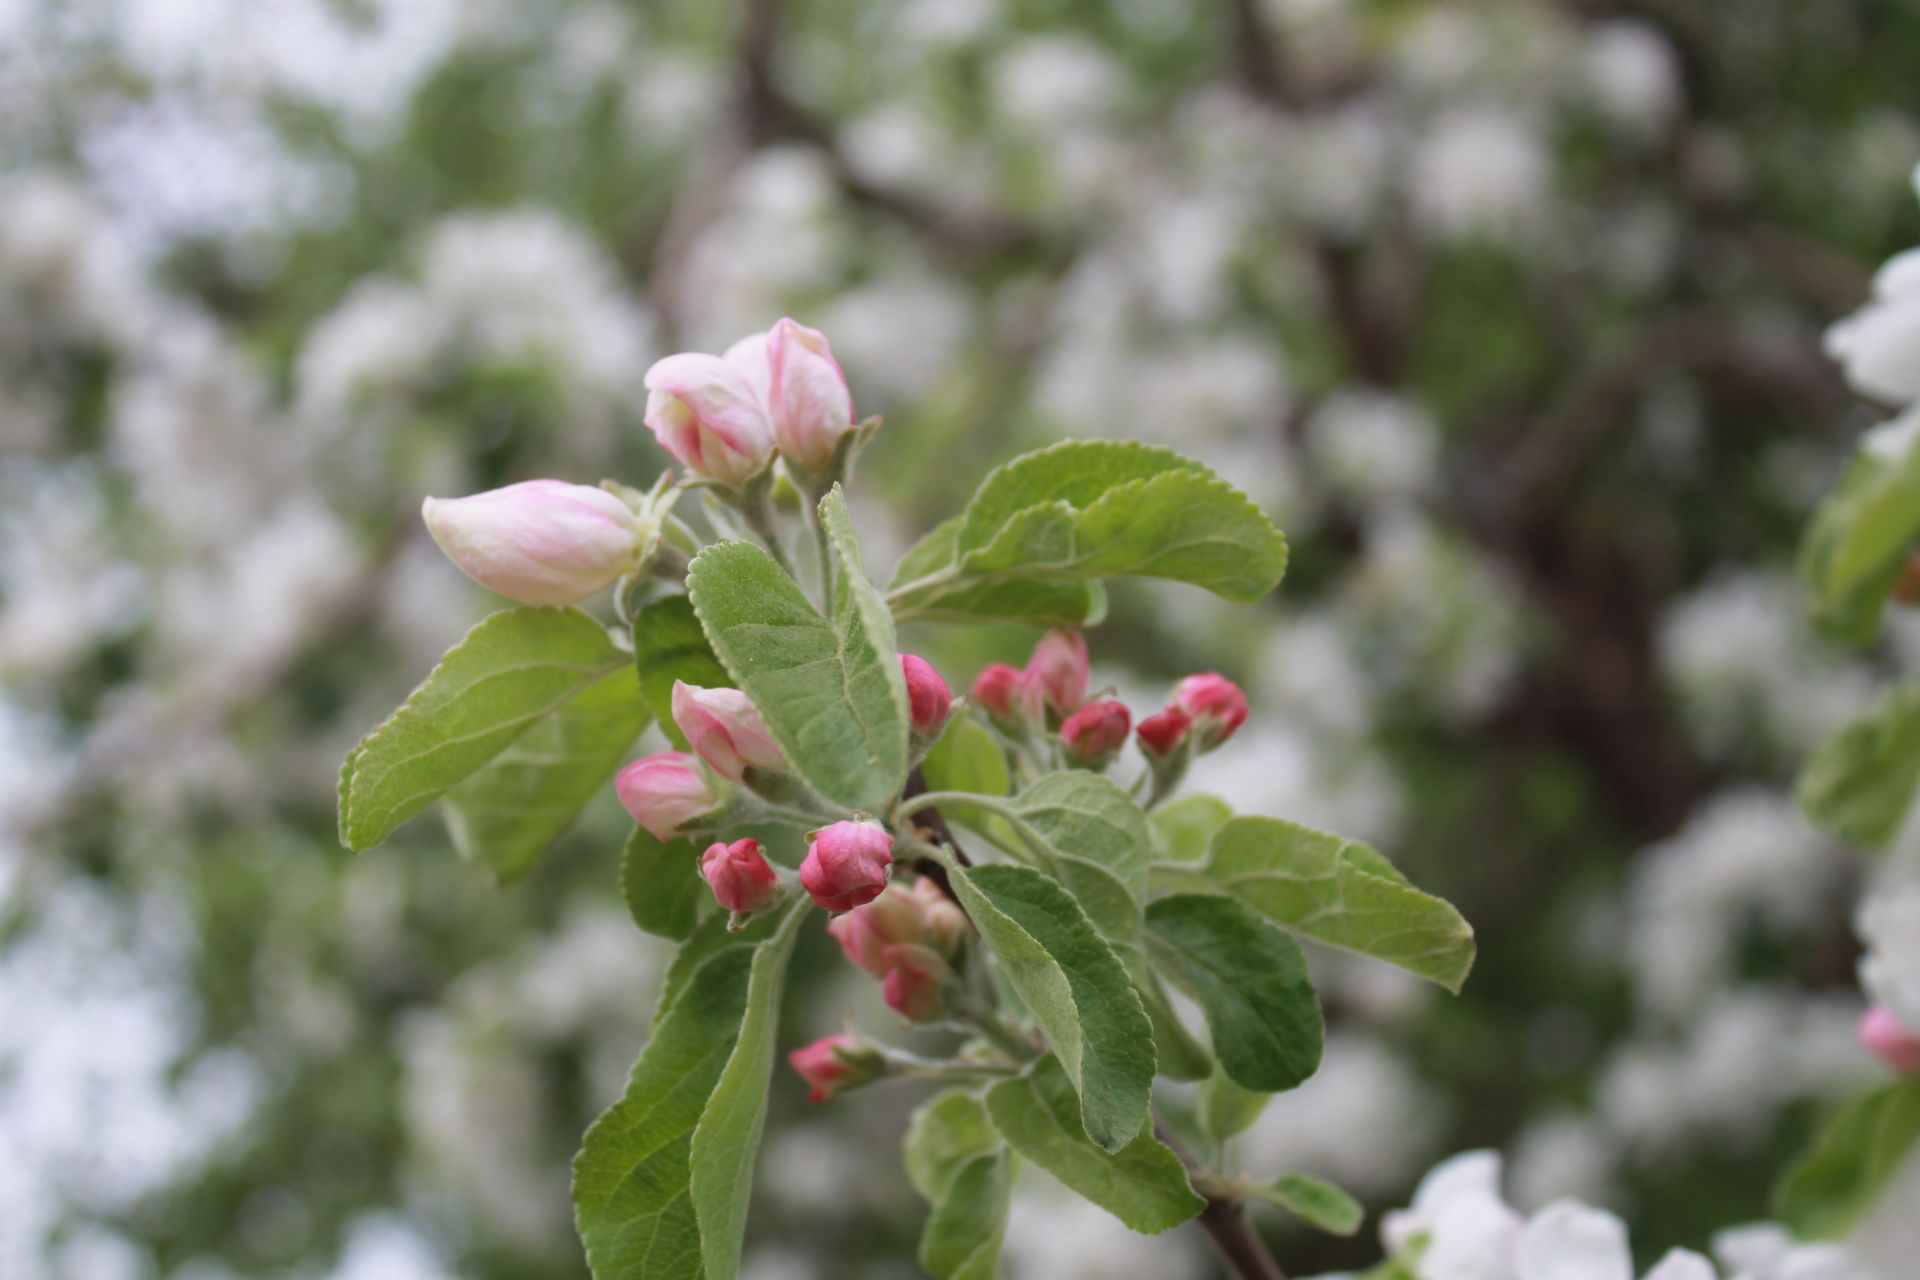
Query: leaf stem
point(1225, 1219)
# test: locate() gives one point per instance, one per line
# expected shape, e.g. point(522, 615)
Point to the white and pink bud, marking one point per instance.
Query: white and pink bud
point(917, 983)
point(1215, 704)
point(1059, 664)
point(1012, 697)
point(739, 874)
point(1164, 733)
point(725, 729)
point(833, 1063)
point(1094, 735)
point(846, 865)
point(919, 914)
point(1890, 1040)
point(705, 411)
point(543, 542)
point(929, 700)
point(803, 388)
point(666, 791)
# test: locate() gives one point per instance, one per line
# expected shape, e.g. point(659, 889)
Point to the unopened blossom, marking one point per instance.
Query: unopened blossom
point(725, 729)
point(666, 791)
point(792, 369)
point(1162, 734)
point(1880, 343)
point(739, 874)
point(1012, 697)
point(1094, 734)
point(917, 982)
point(929, 700)
point(542, 542)
point(1215, 704)
point(918, 913)
point(705, 412)
point(846, 865)
point(1059, 664)
point(830, 1064)
point(1890, 1040)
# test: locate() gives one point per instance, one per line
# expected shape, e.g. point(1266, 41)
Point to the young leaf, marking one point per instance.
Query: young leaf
point(1179, 1055)
point(962, 1238)
point(1834, 1185)
point(1251, 981)
point(1184, 828)
point(946, 1132)
point(831, 693)
point(1861, 781)
point(1088, 818)
point(1086, 510)
point(967, 758)
point(1142, 1183)
point(727, 1138)
point(668, 645)
point(662, 884)
point(1059, 602)
point(1226, 1109)
point(505, 816)
point(1338, 892)
point(1863, 531)
point(513, 669)
point(1315, 1201)
point(1075, 986)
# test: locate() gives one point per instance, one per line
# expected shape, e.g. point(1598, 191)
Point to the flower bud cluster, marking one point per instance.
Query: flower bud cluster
point(912, 939)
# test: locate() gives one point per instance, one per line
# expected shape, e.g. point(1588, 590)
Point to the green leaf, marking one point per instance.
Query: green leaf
point(1075, 986)
point(1185, 827)
point(1179, 1055)
point(1226, 1109)
point(1862, 533)
point(1315, 1201)
point(967, 758)
point(832, 694)
point(1142, 1183)
point(727, 1138)
point(962, 1238)
point(1087, 818)
point(1060, 602)
point(669, 645)
point(506, 815)
point(1086, 510)
point(662, 884)
point(642, 1210)
point(512, 670)
point(1836, 1184)
point(1250, 980)
point(1860, 782)
point(946, 1132)
point(1338, 892)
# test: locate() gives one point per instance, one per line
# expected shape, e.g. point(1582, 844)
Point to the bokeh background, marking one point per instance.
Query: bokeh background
point(1511, 314)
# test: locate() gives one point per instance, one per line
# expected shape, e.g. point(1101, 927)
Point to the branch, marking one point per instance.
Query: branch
point(1225, 1222)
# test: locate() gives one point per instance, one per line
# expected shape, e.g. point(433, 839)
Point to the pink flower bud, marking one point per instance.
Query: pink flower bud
point(916, 982)
point(806, 394)
point(945, 925)
point(665, 791)
point(705, 412)
point(539, 541)
point(833, 1063)
point(1059, 663)
point(1216, 705)
point(846, 865)
point(1011, 696)
point(1890, 1040)
point(725, 730)
point(928, 698)
point(1162, 734)
point(741, 877)
point(918, 915)
point(1095, 733)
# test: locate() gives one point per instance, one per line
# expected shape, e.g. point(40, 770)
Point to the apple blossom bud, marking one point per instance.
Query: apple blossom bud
point(666, 791)
point(1161, 734)
point(917, 982)
point(928, 698)
point(846, 865)
point(1059, 663)
point(705, 412)
point(1011, 696)
point(1890, 1040)
point(739, 874)
point(919, 914)
point(1216, 705)
point(807, 396)
point(833, 1063)
point(540, 541)
point(1094, 734)
point(724, 729)
point(945, 926)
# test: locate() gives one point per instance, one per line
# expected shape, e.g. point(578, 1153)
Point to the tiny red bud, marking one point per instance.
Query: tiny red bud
point(1215, 703)
point(830, 1064)
point(1094, 734)
point(1059, 663)
point(1011, 696)
point(741, 877)
point(846, 865)
point(1161, 734)
point(928, 697)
